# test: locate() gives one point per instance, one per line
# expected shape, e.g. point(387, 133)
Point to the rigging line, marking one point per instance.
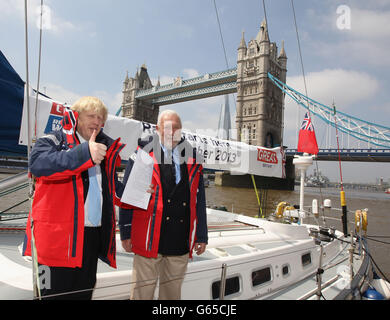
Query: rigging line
point(376, 240)
point(370, 256)
point(300, 53)
point(220, 33)
point(39, 72)
point(27, 80)
point(372, 236)
point(223, 47)
point(376, 265)
point(338, 147)
point(265, 17)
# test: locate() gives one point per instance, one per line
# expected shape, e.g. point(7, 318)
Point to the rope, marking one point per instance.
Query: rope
point(257, 196)
point(220, 32)
point(300, 53)
point(223, 46)
point(371, 258)
point(265, 16)
point(17, 188)
point(376, 240)
point(14, 206)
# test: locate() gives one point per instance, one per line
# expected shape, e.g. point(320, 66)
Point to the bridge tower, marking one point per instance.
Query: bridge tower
point(134, 108)
point(260, 104)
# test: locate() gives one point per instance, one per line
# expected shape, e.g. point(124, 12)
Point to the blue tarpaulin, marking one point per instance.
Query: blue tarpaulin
point(11, 104)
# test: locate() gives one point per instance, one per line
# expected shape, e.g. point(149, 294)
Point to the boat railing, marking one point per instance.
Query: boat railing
point(223, 268)
point(11, 182)
point(8, 188)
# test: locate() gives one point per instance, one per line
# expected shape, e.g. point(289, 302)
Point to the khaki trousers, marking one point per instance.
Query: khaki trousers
point(170, 270)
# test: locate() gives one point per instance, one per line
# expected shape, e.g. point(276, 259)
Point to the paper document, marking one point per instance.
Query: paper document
point(139, 181)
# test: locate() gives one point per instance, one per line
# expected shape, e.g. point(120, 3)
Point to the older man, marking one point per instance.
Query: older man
point(164, 235)
point(73, 216)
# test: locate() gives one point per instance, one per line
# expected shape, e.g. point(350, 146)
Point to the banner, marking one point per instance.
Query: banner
point(236, 157)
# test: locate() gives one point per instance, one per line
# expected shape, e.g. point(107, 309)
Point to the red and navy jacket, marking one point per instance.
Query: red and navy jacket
point(60, 165)
point(143, 226)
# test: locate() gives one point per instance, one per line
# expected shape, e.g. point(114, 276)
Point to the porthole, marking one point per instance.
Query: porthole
point(306, 259)
point(261, 276)
point(285, 270)
point(232, 286)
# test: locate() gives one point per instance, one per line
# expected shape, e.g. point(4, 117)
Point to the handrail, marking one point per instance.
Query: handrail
point(13, 181)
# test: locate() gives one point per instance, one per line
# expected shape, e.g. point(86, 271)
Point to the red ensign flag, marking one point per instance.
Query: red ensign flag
point(307, 138)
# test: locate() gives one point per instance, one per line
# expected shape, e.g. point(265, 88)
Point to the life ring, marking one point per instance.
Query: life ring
point(280, 209)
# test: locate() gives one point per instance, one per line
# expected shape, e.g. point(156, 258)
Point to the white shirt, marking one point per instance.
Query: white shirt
point(87, 223)
point(175, 158)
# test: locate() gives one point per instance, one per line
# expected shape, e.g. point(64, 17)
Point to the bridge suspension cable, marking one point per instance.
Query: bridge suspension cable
point(362, 130)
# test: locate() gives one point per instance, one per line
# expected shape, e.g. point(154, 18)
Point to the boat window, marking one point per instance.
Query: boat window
point(285, 270)
point(232, 286)
point(306, 259)
point(261, 276)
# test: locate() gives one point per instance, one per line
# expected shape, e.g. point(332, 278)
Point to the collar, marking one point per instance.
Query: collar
point(81, 139)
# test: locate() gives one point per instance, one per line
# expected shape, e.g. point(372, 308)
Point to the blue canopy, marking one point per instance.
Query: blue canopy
point(11, 104)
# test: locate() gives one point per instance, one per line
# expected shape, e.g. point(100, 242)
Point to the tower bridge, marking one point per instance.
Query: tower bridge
point(208, 85)
point(260, 83)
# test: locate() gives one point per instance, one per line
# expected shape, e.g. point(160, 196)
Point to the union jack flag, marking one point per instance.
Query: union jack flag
point(307, 124)
point(307, 137)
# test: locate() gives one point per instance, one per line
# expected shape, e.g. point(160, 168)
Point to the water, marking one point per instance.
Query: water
point(241, 200)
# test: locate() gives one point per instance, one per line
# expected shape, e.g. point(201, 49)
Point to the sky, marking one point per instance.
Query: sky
point(88, 46)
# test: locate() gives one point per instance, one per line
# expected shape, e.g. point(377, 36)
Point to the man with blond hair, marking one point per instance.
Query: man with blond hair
point(73, 212)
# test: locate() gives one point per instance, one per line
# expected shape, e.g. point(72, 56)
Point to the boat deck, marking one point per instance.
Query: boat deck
point(243, 244)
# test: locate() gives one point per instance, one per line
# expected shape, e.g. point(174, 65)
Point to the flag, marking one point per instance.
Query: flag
point(307, 141)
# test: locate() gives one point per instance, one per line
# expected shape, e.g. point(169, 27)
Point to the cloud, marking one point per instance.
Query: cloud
point(190, 73)
point(199, 115)
point(51, 21)
point(365, 41)
point(346, 87)
point(369, 24)
point(58, 93)
point(187, 73)
point(163, 80)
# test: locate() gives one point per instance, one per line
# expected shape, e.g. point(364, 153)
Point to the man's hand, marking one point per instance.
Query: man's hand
point(200, 248)
point(97, 150)
point(150, 190)
point(126, 244)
